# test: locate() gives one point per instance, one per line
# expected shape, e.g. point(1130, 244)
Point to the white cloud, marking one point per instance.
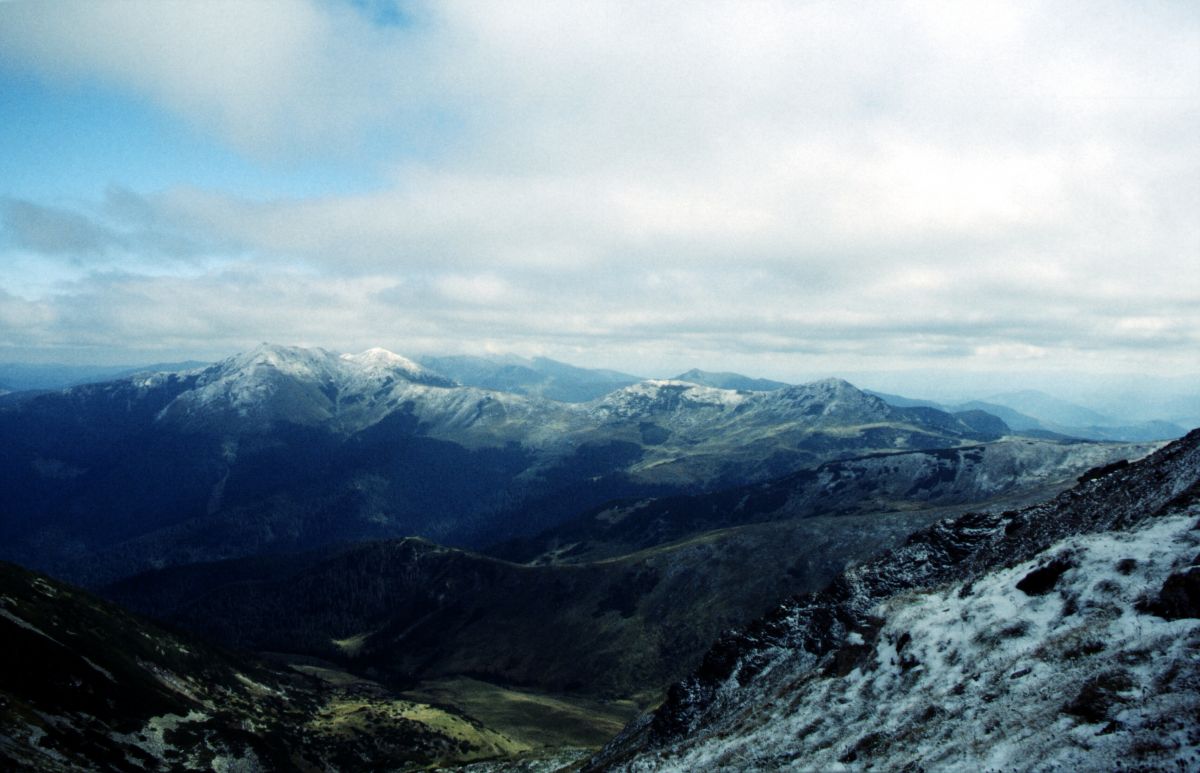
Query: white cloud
point(890, 183)
point(269, 75)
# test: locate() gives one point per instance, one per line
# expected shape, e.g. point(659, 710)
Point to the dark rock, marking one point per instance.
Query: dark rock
point(1098, 695)
point(1179, 597)
point(1126, 566)
point(1042, 580)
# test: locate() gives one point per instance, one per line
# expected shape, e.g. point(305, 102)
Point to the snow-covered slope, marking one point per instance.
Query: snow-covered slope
point(677, 402)
point(686, 407)
point(685, 404)
point(1064, 636)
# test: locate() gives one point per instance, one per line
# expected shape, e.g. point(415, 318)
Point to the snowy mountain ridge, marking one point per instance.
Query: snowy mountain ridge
point(403, 449)
point(245, 378)
point(348, 392)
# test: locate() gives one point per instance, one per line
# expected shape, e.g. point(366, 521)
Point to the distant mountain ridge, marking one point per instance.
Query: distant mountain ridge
point(539, 376)
point(877, 484)
point(285, 448)
point(18, 377)
point(730, 381)
point(1040, 414)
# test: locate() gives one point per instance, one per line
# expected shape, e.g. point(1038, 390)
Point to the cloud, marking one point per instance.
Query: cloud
point(899, 184)
point(270, 76)
point(125, 231)
point(54, 231)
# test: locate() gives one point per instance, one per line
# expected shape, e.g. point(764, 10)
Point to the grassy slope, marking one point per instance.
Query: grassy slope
point(86, 686)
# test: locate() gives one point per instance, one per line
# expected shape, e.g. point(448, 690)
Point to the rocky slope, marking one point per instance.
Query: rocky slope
point(1064, 635)
point(1010, 470)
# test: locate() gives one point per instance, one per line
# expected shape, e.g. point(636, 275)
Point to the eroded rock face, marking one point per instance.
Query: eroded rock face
point(1027, 633)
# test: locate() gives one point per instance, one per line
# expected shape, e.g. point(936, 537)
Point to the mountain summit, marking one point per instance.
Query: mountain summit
point(305, 386)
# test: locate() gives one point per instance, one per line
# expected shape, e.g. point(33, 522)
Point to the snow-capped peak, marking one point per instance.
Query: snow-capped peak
point(380, 365)
point(666, 396)
point(302, 385)
point(291, 360)
point(378, 358)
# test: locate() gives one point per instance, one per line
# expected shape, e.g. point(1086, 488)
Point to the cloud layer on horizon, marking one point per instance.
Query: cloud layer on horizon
point(923, 184)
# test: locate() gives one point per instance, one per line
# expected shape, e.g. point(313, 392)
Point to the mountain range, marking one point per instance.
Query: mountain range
point(434, 572)
point(1056, 634)
point(284, 449)
point(1038, 414)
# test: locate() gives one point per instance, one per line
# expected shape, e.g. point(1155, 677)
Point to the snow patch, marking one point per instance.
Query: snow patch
point(9, 616)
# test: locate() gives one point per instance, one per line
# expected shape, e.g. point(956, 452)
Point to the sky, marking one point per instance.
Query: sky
point(970, 192)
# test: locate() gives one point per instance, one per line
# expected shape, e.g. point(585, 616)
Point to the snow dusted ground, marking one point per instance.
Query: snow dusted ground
point(1001, 674)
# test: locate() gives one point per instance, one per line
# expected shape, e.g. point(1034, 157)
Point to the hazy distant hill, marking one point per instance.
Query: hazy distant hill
point(902, 402)
point(1050, 409)
point(1038, 414)
point(539, 376)
point(730, 381)
point(17, 377)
